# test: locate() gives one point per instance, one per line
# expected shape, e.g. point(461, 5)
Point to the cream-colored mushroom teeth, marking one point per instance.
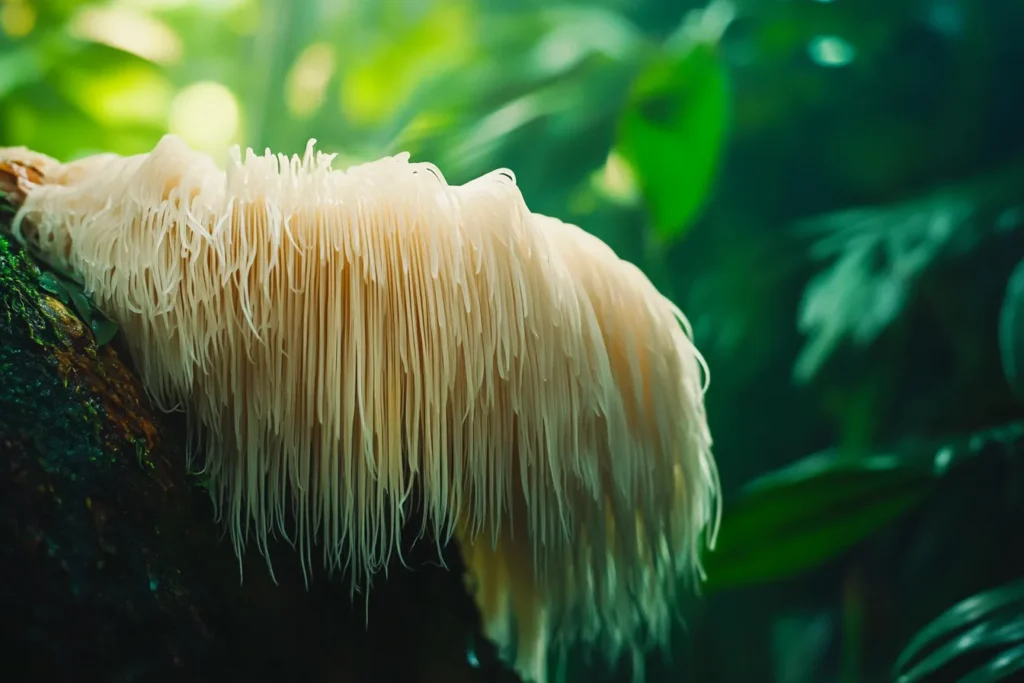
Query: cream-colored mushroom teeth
point(341, 337)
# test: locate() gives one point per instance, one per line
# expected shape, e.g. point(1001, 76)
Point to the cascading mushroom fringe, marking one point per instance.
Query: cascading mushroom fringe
point(340, 339)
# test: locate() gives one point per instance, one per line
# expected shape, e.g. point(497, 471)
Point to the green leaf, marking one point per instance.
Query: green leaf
point(879, 257)
point(673, 132)
point(70, 293)
point(82, 306)
point(983, 621)
point(998, 668)
point(1004, 630)
point(801, 516)
point(1011, 331)
point(52, 284)
point(103, 330)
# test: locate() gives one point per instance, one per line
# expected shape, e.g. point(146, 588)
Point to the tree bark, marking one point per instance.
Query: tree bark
point(112, 567)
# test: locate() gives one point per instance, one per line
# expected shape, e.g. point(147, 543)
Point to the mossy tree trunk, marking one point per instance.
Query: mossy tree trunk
point(112, 567)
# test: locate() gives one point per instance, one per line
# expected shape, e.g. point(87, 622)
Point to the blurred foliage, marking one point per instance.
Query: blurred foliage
point(1011, 331)
point(881, 253)
point(796, 518)
point(990, 624)
point(673, 127)
point(832, 190)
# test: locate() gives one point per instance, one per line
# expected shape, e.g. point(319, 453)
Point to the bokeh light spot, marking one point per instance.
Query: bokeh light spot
point(206, 115)
point(831, 51)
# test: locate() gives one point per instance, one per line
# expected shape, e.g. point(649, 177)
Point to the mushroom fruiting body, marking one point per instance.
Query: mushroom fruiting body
point(339, 337)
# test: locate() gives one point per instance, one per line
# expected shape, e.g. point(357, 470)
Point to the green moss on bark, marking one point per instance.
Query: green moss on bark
point(57, 389)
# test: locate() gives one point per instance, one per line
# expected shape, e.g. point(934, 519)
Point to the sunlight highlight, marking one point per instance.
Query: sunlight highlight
point(17, 18)
point(206, 115)
point(308, 79)
point(133, 32)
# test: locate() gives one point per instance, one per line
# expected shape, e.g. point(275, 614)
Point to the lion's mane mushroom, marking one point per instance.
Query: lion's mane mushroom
point(339, 337)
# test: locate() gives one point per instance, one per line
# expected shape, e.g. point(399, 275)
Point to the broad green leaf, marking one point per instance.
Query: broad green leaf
point(985, 620)
point(1011, 331)
point(1003, 630)
point(964, 613)
point(673, 132)
point(998, 668)
point(806, 514)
